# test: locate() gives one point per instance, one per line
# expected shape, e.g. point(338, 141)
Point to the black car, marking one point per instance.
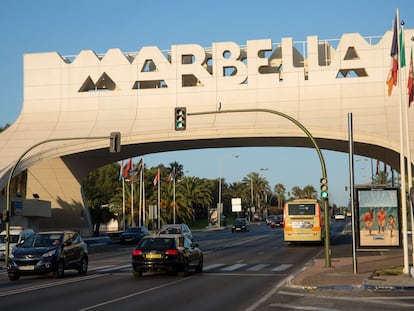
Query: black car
point(240, 225)
point(166, 253)
point(133, 235)
point(277, 221)
point(48, 252)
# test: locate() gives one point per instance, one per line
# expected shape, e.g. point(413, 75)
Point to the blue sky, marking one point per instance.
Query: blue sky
point(68, 27)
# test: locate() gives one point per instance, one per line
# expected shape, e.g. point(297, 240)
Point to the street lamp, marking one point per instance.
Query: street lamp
point(219, 205)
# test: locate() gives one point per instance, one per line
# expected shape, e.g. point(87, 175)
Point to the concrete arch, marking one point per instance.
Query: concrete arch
point(317, 82)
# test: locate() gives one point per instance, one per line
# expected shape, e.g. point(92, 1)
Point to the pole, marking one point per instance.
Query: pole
point(219, 196)
point(402, 160)
point(159, 200)
point(123, 203)
point(352, 189)
point(174, 200)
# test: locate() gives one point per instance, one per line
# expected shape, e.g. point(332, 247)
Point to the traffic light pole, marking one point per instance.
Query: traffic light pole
point(321, 159)
point(8, 205)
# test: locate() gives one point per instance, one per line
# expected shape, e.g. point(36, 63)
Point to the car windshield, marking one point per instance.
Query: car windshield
point(133, 230)
point(241, 221)
point(170, 230)
point(42, 240)
point(14, 238)
point(156, 243)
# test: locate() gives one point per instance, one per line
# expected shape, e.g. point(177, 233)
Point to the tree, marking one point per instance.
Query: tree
point(308, 192)
point(382, 179)
point(259, 187)
point(296, 192)
point(280, 191)
point(100, 186)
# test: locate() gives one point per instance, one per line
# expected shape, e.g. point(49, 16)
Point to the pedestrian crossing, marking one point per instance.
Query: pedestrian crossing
point(216, 268)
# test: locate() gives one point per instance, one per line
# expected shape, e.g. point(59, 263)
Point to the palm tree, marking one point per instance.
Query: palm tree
point(296, 192)
point(177, 168)
point(196, 195)
point(258, 187)
point(382, 179)
point(309, 192)
point(280, 191)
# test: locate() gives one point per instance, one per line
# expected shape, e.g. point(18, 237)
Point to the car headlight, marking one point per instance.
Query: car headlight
point(49, 253)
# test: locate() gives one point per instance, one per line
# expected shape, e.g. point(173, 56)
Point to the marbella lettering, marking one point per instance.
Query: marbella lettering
point(190, 65)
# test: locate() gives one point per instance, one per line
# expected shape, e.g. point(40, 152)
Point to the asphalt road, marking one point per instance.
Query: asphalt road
point(242, 271)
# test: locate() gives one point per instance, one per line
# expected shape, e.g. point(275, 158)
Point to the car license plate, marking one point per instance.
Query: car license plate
point(26, 268)
point(153, 256)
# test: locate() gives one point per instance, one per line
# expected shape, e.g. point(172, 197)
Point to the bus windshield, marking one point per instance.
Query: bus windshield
point(301, 209)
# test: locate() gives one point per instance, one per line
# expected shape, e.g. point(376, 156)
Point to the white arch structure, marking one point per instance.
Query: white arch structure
point(317, 82)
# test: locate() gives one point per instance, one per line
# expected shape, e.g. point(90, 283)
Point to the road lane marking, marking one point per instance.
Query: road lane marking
point(52, 284)
point(282, 267)
point(234, 267)
point(133, 295)
point(258, 267)
point(214, 266)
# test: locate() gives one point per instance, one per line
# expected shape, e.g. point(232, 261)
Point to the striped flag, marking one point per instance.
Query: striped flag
point(392, 76)
point(127, 169)
point(171, 177)
point(156, 178)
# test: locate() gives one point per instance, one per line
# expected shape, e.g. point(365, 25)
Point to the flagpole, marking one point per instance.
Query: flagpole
point(407, 133)
point(409, 153)
point(174, 196)
point(159, 199)
point(402, 159)
point(143, 198)
point(123, 203)
point(140, 196)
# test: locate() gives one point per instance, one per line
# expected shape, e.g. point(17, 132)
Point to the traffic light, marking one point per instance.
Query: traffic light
point(180, 117)
point(115, 142)
point(324, 188)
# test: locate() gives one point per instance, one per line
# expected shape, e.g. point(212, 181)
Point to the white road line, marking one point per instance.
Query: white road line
point(211, 267)
point(234, 267)
point(258, 267)
point(282, 267)
point(114, 268)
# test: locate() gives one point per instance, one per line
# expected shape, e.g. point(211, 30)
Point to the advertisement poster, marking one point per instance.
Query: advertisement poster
point(378, 217)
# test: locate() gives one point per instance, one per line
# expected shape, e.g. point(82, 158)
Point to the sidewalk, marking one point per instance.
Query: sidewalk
point(341, 274)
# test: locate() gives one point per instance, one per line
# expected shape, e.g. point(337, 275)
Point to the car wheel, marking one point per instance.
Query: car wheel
point(199, 267)
point(13, 276)
point(185, 271)
point(137, 273)
point(83, 267)
point(60, 270)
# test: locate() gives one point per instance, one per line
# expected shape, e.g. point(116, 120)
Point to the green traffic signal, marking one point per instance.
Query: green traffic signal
point(324, 188)
point(180, 115)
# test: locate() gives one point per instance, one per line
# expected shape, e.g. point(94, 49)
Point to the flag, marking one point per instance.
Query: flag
point(402, 48)
point(392, 76)
point(171, 177)
point(410, 80)
point(140, 165)
point(157, 176)
point(127, 169)
point(120, 170)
